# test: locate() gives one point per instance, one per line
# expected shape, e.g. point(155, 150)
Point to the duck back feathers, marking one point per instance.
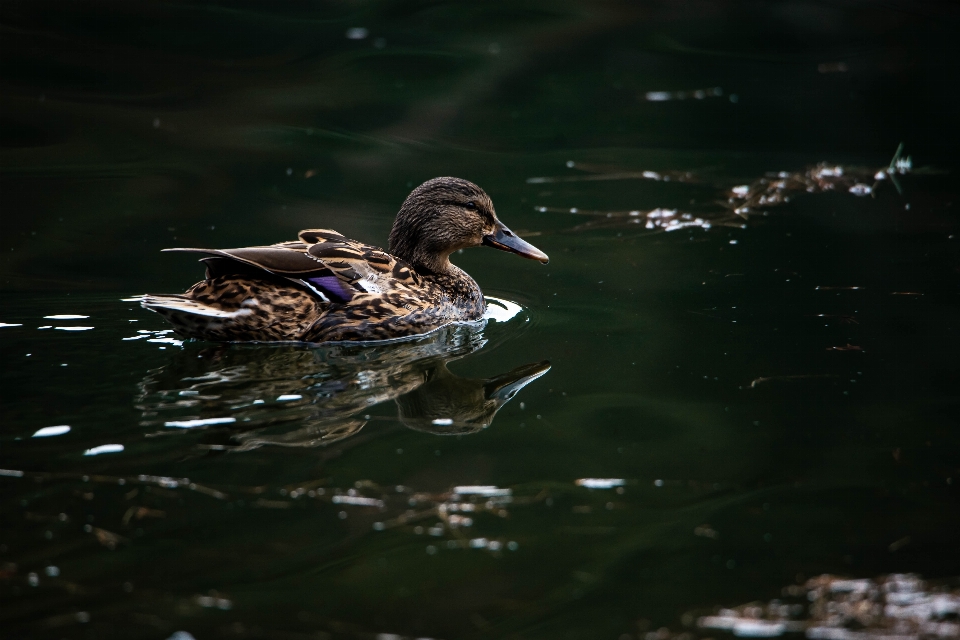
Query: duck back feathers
point(321, 288)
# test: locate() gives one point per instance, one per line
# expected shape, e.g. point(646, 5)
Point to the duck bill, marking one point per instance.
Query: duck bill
point(505, 240)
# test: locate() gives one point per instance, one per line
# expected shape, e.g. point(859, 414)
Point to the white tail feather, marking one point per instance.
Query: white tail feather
point(177, 304)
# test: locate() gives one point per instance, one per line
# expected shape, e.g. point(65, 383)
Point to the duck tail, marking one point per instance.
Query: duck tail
point(191, 317)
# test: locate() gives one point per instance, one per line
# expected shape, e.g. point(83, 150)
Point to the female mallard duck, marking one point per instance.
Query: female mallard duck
point(325, 287)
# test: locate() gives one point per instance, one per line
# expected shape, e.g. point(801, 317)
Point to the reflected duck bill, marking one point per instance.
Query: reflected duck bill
point(507, 240)
point(506, 385)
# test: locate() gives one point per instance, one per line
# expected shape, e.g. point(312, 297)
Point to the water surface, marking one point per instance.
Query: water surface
point(696, 406)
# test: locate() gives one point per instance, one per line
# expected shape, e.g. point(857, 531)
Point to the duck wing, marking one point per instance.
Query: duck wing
point(325, 262)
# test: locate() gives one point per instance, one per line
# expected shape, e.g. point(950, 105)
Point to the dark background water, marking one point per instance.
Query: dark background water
point(703, 372)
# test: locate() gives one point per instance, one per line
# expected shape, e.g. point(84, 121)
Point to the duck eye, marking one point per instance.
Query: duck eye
point(471, 205)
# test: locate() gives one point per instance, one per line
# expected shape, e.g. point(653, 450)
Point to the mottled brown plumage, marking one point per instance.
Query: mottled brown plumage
point(325, 287)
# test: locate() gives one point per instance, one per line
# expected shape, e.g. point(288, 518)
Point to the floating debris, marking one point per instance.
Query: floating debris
point(901, 606)
point(107, 538)
point(777, 188)
point(598, 172)
point(740, 201)
point(160, 481)
point(140, 513)
point(359, 501)
point(600, 483)
point(696, 94)
point(481, 490)
point(66, 316)
point(659, 219)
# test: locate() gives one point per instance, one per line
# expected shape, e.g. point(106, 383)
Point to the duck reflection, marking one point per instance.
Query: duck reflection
point(297, 396)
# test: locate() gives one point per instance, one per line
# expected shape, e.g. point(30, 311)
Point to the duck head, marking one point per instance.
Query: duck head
point(444, 215)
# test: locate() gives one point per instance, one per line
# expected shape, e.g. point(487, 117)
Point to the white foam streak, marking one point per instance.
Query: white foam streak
point(200, 422)
point(46, 432)
point(104, 448)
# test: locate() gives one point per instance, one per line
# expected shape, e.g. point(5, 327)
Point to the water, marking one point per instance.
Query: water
point(673, 421)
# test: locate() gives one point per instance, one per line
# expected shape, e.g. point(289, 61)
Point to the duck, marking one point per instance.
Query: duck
point(325, 287)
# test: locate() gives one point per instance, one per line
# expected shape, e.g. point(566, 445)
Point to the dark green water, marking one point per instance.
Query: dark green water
point(778, 392)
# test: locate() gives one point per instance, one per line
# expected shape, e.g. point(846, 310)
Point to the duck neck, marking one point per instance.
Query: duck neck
point(432, 265)
point(458, 288)
point(426, 261)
